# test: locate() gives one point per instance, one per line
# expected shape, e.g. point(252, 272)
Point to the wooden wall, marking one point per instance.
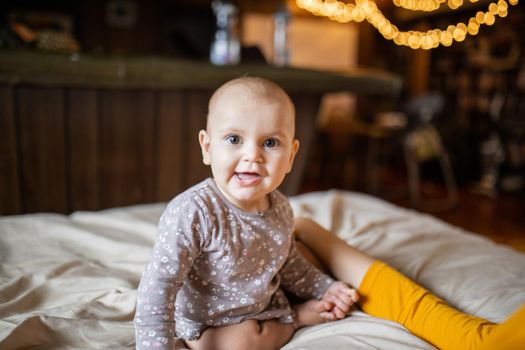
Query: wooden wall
point(64, 149)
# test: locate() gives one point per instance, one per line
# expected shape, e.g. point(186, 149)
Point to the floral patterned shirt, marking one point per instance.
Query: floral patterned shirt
point(214, 264)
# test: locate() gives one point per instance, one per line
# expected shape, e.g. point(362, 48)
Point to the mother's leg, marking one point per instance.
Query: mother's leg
point(388, 294)
point(343, 261)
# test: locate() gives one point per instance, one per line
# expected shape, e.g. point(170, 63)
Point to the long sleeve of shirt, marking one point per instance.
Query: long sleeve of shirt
point(303, 279)
point(176, 246)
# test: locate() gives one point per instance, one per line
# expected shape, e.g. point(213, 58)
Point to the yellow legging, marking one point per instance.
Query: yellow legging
point(388, 294)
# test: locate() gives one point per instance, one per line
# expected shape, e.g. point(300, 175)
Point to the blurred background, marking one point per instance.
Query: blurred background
point(449, 141)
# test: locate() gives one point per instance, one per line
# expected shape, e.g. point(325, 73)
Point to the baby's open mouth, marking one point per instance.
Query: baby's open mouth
point(248, 178)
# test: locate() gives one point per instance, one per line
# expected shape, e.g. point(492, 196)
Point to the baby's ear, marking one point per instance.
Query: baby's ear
point(204, 141)
point(295, 149)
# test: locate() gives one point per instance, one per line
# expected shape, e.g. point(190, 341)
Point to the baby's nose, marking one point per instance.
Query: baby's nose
point(253, 153)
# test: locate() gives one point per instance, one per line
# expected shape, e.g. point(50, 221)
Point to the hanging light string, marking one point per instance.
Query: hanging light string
point(367, 9)
point(428, 5)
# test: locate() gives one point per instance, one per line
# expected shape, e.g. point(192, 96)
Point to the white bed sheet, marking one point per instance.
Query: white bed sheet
point(69, 282)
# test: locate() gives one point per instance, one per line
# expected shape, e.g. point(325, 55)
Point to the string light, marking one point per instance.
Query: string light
point(367, 9)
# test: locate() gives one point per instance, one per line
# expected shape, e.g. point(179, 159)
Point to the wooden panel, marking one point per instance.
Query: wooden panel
point(87, 149)
point(196, 110)
point(10, 201)
point(306, 108)
point(41, 117)
point(126, 147)
point(83, 158)
point(171, 148)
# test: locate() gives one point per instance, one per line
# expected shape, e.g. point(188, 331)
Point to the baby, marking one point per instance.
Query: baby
point(224, 251)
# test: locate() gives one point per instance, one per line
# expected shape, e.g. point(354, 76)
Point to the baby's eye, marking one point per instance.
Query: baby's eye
point(270, 143)
point(233, 139)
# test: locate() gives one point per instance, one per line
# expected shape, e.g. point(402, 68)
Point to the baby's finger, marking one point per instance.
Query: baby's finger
point(338, 312)
point(325, 305)
point(351, 292)
point(344, 297)
point(328, 316)
point(351, 296)
point(354, 294)
point(344, 303)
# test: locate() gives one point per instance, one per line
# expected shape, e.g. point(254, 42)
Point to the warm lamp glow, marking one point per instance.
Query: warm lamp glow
point(367, 9)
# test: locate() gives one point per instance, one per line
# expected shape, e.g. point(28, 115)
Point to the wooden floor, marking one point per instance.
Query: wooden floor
point(501, 218)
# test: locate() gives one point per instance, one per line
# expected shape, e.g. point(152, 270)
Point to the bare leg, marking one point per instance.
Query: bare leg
point(260, 335)
point(346, 263)
point(250, 334)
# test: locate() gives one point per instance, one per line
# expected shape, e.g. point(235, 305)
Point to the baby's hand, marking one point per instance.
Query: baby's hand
point(342, 297)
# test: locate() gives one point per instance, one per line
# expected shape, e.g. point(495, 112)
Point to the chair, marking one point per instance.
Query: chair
point(422, 144)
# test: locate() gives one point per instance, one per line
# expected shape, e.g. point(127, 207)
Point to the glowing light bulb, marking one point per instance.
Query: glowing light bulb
point(502, 5)
point(458, 35)
point(414, 41)
point(473, 26)
point(329, 8)
point(435, 35)
point(426, 42)
point(489, 19)
point(397, 39)
point(480, 17)
point(446, 38)
point(462, 27)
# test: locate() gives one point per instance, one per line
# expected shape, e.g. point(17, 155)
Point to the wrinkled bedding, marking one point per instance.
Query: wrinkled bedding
point(69, 282)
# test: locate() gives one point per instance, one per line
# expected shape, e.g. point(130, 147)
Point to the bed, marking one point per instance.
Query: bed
point(69, 281)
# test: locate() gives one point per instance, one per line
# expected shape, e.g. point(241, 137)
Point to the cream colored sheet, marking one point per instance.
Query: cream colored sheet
point(68, 282)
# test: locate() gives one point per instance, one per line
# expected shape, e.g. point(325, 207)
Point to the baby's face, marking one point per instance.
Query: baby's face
point(250, 145)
